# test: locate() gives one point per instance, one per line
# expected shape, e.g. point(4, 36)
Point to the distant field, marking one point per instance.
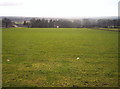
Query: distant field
point(47, 57)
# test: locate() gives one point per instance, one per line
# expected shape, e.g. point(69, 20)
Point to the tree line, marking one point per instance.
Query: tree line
point(65, 23)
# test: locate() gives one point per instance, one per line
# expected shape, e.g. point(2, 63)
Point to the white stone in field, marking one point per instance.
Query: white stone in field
point(78, 58)
point(8, 60)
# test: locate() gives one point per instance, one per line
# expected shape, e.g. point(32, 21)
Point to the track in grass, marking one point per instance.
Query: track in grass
point(48, 57)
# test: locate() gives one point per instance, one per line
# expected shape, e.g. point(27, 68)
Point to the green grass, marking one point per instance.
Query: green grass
point(46, 57)
point(110, 29)
point(19, 22)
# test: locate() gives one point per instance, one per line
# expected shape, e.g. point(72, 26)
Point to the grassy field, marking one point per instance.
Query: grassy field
point(47, 57)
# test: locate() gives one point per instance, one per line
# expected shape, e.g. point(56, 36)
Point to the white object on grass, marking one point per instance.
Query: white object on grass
point(8, 60)
point(78, 58)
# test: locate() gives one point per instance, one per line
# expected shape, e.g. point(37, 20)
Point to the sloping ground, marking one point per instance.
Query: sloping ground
point(47, 57)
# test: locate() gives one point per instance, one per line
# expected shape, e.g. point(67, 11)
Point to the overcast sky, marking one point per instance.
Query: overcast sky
point(59, 8)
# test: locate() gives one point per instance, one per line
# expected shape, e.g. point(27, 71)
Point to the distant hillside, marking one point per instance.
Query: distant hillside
point(21, 19)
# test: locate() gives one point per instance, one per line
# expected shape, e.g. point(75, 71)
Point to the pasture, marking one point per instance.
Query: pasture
point(48, 57)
